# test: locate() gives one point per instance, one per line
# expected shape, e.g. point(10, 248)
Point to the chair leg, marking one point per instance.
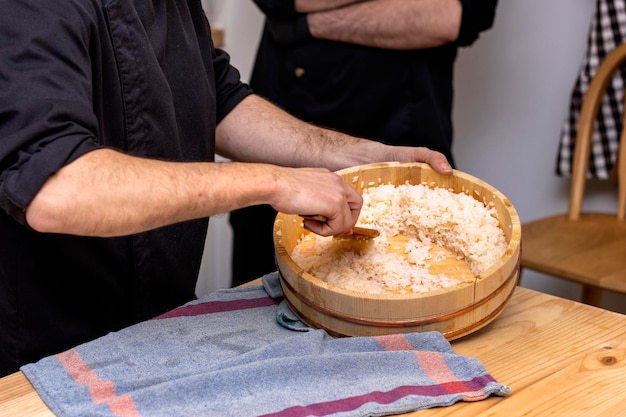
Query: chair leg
point(592, 295)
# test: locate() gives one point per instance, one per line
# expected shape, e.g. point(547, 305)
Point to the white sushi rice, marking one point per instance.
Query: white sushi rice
point(424, 215)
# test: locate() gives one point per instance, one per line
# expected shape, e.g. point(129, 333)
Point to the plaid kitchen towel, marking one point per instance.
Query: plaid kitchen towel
point(606, 32)
point(226, 355)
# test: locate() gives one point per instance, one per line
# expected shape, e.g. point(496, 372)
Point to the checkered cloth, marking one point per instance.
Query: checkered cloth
point(226, 355)
point(607, 30)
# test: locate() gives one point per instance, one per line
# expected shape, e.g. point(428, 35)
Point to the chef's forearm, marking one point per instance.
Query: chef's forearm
point(108, 193)
point(258, 131)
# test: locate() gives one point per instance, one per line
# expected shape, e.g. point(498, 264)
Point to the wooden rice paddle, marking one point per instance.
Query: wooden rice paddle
point(358, 233)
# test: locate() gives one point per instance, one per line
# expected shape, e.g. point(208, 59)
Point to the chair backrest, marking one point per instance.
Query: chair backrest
point(589, 111)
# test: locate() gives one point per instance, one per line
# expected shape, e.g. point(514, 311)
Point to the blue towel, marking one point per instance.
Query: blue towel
point(227, 355)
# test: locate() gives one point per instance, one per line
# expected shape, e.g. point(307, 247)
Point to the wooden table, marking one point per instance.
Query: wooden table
point(561, 358)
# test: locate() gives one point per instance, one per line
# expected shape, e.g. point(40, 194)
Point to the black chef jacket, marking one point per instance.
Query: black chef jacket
point(75, 75)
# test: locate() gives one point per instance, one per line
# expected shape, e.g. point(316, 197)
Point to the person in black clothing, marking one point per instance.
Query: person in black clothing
point(110, 116)
point(376, 69)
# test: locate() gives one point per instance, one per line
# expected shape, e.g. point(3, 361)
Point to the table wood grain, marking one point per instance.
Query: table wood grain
point(560, 358)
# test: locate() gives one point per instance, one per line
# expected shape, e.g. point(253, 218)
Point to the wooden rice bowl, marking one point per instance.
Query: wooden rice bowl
point(455, 311)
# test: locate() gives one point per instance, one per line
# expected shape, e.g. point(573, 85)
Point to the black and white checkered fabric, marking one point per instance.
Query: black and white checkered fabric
point(607, 30)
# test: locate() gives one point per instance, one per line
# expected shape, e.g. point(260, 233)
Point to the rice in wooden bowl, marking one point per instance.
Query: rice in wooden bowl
point(447, 259)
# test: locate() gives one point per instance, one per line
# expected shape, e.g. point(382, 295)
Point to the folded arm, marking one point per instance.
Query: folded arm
point(391, 24)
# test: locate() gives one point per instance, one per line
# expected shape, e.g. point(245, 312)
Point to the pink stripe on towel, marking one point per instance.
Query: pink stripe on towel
point(101, 391)
point(436, 368)
point(433, 364)
point(394, 342)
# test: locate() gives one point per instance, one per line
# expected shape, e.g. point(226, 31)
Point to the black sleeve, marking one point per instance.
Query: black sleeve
point(46, 116)
point(478, 16)
point(230, 90)
point(276, 7)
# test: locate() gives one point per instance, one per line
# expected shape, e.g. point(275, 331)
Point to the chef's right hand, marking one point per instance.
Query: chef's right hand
point(318, 191)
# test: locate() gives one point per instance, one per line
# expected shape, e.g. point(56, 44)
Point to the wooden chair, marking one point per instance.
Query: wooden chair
point(584, 247)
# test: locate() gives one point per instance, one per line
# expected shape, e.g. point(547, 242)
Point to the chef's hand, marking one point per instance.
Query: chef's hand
point(318, 191)
point(436, 160)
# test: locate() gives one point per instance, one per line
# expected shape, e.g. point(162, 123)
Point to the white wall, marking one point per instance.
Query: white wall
point(512, 91)
point(242, 22)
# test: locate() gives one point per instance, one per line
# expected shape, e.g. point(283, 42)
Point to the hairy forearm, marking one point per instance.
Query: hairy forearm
point(256, 130)
point(107, 193)
point(391, 24)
